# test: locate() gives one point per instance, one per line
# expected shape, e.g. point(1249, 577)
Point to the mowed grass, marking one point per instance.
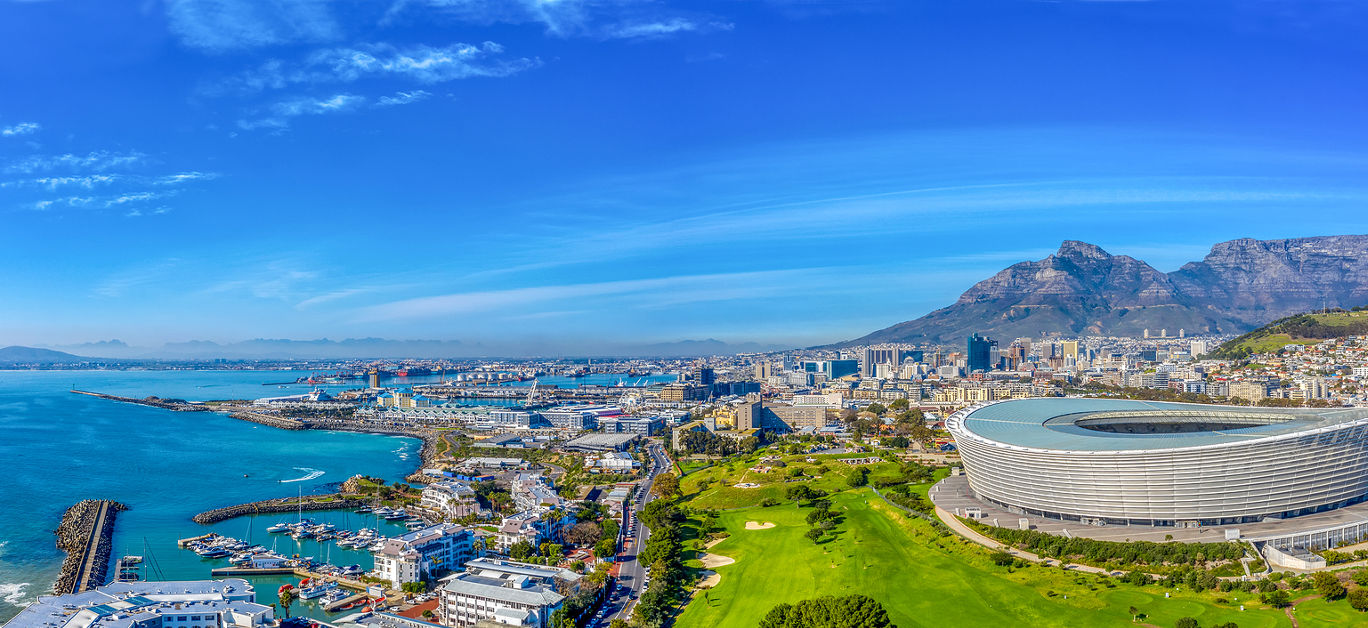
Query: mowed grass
point(924, 579)
point(714, 487)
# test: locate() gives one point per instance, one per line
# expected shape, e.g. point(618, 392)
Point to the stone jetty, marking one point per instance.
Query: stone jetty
point(86, 535)
point(333, 501)
point(178, 405)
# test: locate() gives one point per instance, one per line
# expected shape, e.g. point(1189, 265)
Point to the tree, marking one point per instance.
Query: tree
point(1328, 585)
point(1360, 577)
point(1187, 622)
point(605, 548)
point(1002, 558)
point(853, 611)
point(583, 533)
point(877, 408)
point(520, 550)
point(287, 597)
point(813, 534)
point(1134, 613)
point(1276, 598)
point(666, 486)
point(859, 477)
point(1358, 599)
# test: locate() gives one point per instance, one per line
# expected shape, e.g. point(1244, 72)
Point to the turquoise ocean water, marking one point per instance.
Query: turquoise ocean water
point(58, 448)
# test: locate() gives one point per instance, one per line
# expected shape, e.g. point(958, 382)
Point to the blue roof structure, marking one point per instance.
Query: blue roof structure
point(1078, 424)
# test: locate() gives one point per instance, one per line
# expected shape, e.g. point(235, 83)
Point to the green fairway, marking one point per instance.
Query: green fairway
point(713, 487)
point(927, 580)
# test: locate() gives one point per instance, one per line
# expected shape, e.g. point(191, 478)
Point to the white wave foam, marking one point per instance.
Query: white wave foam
point(14, 593)
point(309, 474)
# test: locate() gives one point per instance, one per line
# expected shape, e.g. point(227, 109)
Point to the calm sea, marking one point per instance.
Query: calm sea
point(58, 448)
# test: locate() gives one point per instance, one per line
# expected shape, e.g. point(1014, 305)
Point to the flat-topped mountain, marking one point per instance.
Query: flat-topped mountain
point(1082, 289)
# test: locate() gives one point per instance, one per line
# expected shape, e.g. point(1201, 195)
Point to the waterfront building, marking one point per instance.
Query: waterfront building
point(517, 419)
point(229, 603)
point(680, 391)
point(645, 426)
point(504, 592)
point(452, 499)
point(412, 557)
point(579, 417)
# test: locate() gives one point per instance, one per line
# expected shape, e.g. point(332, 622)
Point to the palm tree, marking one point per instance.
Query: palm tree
point(287, 597)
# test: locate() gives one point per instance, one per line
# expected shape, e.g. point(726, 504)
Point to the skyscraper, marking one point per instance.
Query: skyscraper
point(980, 354)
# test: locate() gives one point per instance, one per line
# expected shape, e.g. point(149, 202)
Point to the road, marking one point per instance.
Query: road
point(631, 573)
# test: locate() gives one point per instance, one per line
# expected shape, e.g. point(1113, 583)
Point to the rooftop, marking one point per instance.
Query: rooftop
point(1076, 424)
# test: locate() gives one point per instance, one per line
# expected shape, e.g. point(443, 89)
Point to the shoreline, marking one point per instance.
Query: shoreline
point(426, 456)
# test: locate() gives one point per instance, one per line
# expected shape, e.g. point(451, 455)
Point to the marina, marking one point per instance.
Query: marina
point(141, 455)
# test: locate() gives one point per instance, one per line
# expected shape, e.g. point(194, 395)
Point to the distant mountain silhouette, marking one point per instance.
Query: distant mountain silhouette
point(1083, 290)
point(15, 355)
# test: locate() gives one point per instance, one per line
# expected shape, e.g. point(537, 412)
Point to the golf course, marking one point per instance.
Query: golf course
point(926, 577)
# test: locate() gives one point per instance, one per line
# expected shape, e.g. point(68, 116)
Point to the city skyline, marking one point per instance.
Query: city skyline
point(559, 175)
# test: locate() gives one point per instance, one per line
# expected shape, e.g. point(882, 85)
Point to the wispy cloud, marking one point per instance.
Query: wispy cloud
point(102, 202)
point(348, 64)
point(402, 98)
point(23, 128)
point(97, 161)
point(608, 19)
point(225, 25)
point(666, 290)
point(560, 17)
point(92, 181)
point(281, 112)
point(185, 177)
point(662, 28)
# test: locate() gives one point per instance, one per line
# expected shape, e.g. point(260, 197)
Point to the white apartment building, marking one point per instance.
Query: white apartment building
point(412, 557)
point(504, 592)
point(452, 499)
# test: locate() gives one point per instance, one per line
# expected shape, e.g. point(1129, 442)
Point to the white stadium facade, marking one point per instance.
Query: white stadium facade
point(1141, 463)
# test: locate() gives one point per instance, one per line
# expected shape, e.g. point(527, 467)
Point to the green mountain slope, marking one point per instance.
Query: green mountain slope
point(1299, 329)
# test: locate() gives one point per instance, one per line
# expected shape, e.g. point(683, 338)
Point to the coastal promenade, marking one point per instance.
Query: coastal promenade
point(86, 534)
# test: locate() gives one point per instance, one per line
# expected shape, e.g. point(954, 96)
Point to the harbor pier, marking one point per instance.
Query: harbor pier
point(86, 534)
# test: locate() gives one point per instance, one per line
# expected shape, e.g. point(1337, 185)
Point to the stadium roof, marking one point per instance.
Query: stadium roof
point(1077, 424)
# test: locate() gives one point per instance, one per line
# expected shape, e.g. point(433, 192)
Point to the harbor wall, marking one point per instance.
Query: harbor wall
point(86, 534)
point(333, 501)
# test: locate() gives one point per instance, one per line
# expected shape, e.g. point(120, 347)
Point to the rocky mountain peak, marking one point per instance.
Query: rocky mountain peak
point(1082, 289)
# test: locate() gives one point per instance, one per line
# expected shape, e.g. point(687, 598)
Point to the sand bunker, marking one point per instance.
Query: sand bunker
point(714, 542)
point(747, 485)
point(710, 579)
point(756, 525)
point(713, 560)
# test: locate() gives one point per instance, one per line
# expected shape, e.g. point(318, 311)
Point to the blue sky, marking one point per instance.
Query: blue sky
point(553, 174)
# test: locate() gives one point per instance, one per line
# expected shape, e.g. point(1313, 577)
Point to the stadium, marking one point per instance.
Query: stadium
point(1143, 463)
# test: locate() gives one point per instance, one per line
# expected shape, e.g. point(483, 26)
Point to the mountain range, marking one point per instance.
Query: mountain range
point(1084, 290)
